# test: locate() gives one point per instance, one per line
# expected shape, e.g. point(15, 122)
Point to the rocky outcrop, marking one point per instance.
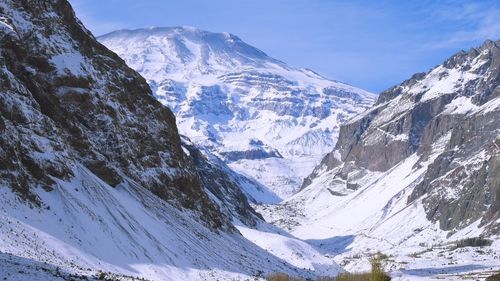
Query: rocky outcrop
point(95, 181)
point(448, 117)
point(251, 154)
point(66, 100)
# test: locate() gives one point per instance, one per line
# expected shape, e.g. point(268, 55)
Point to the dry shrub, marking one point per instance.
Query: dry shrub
point(282, 277)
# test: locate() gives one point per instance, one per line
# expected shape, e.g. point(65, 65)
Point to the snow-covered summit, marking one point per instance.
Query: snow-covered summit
point(168, 50)
point(267, 120)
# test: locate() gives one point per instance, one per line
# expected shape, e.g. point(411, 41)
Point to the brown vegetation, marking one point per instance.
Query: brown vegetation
point(282, 277)
point(377, 273)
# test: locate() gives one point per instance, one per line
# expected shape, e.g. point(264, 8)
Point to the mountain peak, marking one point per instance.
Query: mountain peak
point(185, 32)
point(488, 44)
point(219, 87)
point(182, 49)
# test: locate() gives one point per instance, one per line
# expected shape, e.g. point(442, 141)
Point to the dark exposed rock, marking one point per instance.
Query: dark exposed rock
point(108, 174)
point(67, 100)
point(254, 153)
point(393, 92)
point(454, 125)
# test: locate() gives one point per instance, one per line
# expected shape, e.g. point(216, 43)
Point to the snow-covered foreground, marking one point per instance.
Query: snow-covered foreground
point(376, 218)
point(85, 226)
point(266, 119)
point(295, 251)
point(415, 178)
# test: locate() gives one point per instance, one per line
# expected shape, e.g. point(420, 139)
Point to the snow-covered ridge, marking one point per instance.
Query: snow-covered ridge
point(412, 175)
point(86, 227)
point(95, 177)
point(235, 100)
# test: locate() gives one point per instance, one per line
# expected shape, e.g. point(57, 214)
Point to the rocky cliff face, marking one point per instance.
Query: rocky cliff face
point(455, 105)
point(411, 176)
point(94, 176)
point(66, 100)
point(264, 118)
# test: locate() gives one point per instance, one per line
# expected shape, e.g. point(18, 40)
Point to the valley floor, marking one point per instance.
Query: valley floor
point(87, 229)
point(441, 260)
point(350, 227)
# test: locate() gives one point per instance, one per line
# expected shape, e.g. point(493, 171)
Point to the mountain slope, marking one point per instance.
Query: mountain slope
point(94, 175)
point(456, 106)
point(65, 98)
point(267, 120)
point(224, 186)
point(413, 174)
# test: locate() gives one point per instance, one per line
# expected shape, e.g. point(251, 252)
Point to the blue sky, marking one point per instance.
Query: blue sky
point(369, 44)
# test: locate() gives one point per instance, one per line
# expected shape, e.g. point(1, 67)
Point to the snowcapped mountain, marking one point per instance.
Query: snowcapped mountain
point(412, 175)
point(266, 119)
point(95, 180)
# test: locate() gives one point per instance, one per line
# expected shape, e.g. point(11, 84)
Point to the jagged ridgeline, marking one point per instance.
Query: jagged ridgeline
point(449, 119)
point(67, 101)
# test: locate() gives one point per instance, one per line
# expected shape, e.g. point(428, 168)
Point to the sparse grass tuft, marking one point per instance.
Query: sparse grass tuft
point(282, 277)
point(377, 273)
point(354, 276)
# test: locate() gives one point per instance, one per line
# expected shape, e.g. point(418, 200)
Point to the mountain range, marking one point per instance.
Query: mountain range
point(414, 174)
point(96, 182)
point(191, 155)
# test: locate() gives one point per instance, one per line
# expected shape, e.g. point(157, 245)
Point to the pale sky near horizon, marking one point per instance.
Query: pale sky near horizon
point(369, 44)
